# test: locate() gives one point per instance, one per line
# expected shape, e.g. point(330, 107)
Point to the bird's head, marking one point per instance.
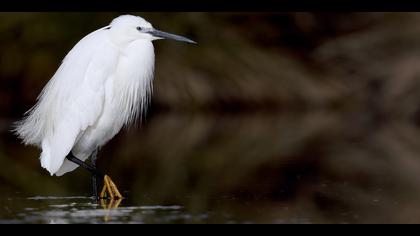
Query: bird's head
point(127, 28)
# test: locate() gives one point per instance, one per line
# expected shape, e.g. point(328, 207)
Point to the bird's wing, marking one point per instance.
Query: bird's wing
point(73, 99)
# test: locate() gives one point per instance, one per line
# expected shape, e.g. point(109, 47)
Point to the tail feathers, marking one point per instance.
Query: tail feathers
point(68, 166)
point(50, 161)
point(59, 165)
point(46, 162)
point(55, 148)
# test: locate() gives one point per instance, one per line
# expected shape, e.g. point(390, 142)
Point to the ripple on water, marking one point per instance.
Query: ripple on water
point(81, 209)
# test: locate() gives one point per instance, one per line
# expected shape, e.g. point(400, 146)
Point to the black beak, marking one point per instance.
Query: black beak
point(164, 35)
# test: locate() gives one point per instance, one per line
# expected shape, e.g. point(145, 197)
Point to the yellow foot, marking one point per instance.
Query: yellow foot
point(110, 190)
point(108, 206)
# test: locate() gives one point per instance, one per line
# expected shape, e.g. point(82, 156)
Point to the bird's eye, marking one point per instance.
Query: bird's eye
point(139, 28)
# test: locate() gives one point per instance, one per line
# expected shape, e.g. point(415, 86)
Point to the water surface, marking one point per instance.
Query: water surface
point(315, 167)
point(65, 210)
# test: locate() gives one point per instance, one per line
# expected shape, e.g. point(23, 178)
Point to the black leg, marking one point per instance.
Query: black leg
point(93, 159)
point(86, 166)
point(110, 189)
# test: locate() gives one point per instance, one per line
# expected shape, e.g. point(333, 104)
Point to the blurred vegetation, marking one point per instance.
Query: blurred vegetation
point(309, 112)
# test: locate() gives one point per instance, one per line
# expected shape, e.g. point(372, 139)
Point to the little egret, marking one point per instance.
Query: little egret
point(103, 84)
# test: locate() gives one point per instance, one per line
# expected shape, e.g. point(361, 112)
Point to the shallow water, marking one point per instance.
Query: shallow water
point(318, 167)
point(78, 209)
point(84, 210)
point(53, 210)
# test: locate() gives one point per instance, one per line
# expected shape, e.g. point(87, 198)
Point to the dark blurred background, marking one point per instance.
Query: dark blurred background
point(314, 116)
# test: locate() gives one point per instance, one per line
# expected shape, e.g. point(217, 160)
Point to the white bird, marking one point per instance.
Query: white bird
point(103, 84)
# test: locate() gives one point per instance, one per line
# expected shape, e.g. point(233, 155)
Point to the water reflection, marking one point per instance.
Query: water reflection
point(64, 210)
point(316, 167)
point(84, 210)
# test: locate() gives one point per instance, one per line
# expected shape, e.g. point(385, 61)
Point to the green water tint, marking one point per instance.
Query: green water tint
point(84, 210)
point(63, 210)
point(260, 168)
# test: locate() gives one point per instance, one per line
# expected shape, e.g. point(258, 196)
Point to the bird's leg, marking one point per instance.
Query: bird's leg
point(93, 159)
point(109, 190)
point(86, 166)
point(108, 206)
